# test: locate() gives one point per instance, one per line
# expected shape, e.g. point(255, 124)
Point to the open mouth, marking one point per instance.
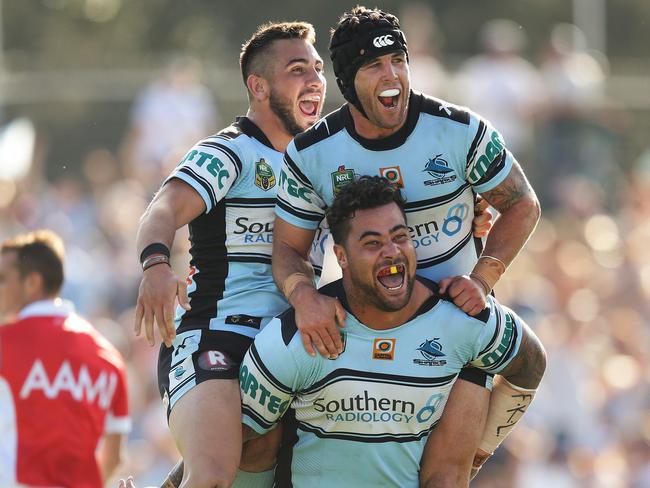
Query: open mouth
point(309, 105)
point(392, 277)
point(389, 98)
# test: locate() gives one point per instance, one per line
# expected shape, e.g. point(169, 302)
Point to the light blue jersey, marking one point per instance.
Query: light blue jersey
point(363, 419)
point(230, 282)
point(440, 158)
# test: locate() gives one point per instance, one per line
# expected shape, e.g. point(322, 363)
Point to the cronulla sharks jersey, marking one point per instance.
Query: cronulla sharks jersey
point(387, 390)
point(440, 158)
point(230, 284)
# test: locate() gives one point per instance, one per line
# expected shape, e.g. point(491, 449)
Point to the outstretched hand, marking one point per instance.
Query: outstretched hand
point(158, 289)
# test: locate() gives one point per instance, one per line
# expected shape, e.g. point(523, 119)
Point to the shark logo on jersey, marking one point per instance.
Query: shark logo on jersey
point(431, 350)
point(264, 176)
point(440, 170)
point(341, 177)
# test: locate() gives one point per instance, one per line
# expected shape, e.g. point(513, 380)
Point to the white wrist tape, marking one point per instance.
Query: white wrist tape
point(508, 403)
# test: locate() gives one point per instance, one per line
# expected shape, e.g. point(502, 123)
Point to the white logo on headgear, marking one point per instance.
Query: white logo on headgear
point(383, 41)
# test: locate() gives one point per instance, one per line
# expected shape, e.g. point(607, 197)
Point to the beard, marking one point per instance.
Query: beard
point(367, 292)
point(283, 109)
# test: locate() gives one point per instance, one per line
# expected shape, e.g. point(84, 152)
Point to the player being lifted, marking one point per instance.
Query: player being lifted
point(441, 156)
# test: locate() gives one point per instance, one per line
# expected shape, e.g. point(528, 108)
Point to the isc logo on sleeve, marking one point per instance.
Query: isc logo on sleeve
point(383, 349)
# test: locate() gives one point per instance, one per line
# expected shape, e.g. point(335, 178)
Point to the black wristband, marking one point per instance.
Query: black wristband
point(155, 248)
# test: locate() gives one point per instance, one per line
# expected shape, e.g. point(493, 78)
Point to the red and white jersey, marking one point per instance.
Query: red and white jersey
point(62, 386)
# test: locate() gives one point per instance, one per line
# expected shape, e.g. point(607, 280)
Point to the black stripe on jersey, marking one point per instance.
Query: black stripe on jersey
point(324, 128)
point(285, 454)
point(208, 251)
point(365, 438)
point(227, 151)
point(471, 154)
point(173, 391)
point(440, 108)
point(201, 181)
point(248, 127)
point(427, 263)
point(344, 374)
point(259, 364)
point(434, 202)
point(296, 171)
point(396, 139)
point(265, 424)
point(497, 332)
point(229, 133)
point(249, 258)
point(301, 214)
point(289, 327)
point(250, 202)
point(497, 165)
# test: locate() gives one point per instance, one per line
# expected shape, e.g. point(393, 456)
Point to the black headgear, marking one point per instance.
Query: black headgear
point(349, 51)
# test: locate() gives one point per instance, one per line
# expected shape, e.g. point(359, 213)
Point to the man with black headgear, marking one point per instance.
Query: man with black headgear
point(441, 156)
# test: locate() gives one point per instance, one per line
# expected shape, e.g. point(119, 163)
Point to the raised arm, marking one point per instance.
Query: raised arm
point(519, 212)
point(317, 316)
point(175, 205)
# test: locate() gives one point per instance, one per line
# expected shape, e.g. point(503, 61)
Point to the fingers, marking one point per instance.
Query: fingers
point(148, 326)
point(480, 205)
point(483, 218)
point(306, 342)
point(318, 342)
point(466, 295)
point(340, 314)
point(331, 343)
point(159, 315)
point(183, 300)
point(168, 324)
point(139, 314)
point(444, 285)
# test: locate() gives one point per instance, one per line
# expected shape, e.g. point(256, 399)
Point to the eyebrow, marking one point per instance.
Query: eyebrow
point(301, 60)
point(375, 233)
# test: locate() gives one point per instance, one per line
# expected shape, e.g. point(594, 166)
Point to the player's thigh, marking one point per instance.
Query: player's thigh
point(456, 437)
point(206, 425)
point(198, 382)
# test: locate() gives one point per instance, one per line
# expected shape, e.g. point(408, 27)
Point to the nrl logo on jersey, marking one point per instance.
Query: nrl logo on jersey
point(264, 176)
point(341, 177)
point(440, 170)
point(431, 351)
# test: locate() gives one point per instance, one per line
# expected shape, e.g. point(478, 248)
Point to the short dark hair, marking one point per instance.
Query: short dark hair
point(360, 19)
point(39, 252)
point(364, 193)
point(254, 48)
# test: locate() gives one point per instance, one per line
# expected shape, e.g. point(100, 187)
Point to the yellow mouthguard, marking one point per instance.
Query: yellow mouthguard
point(393, 270)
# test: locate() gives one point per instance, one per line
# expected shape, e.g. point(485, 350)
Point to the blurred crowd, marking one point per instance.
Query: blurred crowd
point(582, 282)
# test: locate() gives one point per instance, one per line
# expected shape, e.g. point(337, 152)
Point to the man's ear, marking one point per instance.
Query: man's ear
point(34, 286)
point(258, 87)
point(341, 256)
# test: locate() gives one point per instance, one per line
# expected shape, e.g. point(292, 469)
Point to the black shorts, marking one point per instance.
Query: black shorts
point(198, 355)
